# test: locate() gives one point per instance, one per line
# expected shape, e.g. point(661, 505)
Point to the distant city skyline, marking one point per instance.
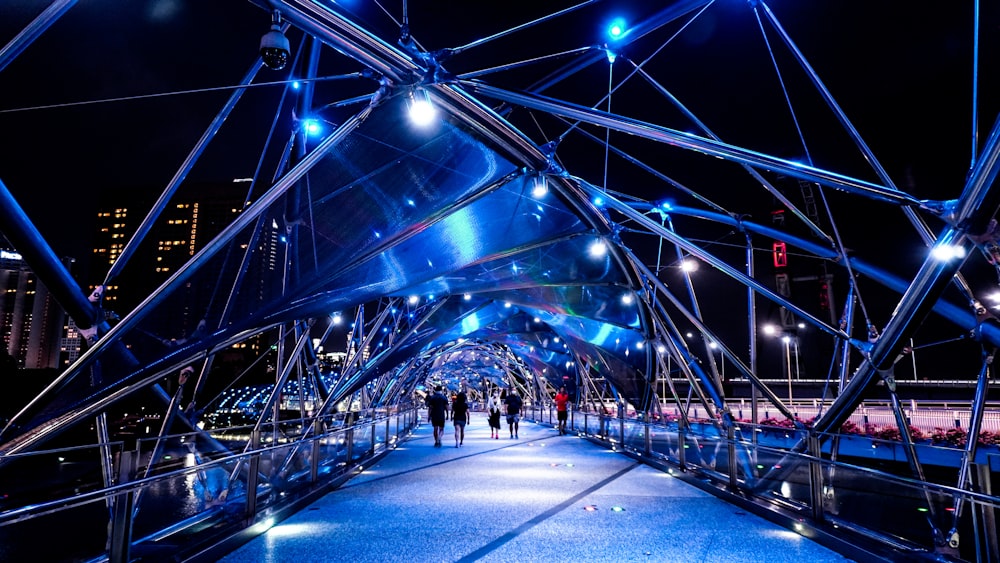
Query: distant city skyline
point(35, 330)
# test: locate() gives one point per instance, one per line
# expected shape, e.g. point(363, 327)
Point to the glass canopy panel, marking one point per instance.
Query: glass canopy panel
point(434, 252)
point(564, 261)
point(363, 216)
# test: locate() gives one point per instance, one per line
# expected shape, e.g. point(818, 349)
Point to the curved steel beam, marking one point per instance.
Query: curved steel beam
point(702, 145)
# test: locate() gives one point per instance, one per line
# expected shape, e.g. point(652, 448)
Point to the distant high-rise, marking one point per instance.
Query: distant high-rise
point(33, 323)
point(193, 218)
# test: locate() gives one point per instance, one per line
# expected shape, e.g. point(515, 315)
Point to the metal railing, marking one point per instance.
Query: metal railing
point(206, 489)
point(855, 492)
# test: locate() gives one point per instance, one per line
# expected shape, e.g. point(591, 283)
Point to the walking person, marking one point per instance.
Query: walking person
point(460, 416)
point(494, 418)
point(561, 399)
point(437, 409)
point(514, 403)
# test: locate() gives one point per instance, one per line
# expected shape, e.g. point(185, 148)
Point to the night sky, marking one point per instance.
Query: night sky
point(901, 72)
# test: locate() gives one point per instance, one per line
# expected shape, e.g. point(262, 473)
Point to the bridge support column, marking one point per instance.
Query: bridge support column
point(253, 471)
point(731, 451)
point(120, 542)
point(315, 449)
point(816, 478)
point(984, 516)
point(681, 439)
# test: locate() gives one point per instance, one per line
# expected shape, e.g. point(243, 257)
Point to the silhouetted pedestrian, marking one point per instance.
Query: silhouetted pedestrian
point(460, 417)
point(514, 403)
point(494, 418)
point(437, 408)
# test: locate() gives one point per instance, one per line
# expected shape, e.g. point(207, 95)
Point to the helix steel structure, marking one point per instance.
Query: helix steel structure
point(598, 212)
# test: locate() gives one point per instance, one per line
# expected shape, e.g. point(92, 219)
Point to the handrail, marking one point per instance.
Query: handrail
point(632, 436)
point(374, 428)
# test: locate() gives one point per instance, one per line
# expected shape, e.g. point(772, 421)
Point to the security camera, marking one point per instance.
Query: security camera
point(274, 48)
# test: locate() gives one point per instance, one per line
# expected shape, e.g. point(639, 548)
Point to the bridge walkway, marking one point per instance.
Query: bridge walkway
point(541, 497)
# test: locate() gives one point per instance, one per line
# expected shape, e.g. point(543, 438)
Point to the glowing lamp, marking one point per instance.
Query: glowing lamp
point(616, 29)
point(540, 187)
point(598, 249)
point(422, 112)
point(945, 252)
point(312, 127)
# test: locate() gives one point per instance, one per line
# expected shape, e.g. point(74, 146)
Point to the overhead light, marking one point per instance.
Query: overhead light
point(598, 249)
point(616, 29)
point(422, 112)
point(945, 252)
point(312, 127)
point(540, 187)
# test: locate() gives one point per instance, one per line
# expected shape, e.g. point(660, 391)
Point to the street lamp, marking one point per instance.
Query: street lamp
point(722, 358)
point(788, 364)
point(787, 340)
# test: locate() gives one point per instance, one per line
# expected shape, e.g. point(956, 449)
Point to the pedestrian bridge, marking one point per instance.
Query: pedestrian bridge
point(378, 490)
point(543, 497)
point(511, 201)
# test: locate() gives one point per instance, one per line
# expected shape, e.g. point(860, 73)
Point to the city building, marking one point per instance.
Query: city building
point(192, 219)
point(33, 323)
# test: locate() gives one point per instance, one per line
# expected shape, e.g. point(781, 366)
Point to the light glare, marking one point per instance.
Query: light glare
point(945, 252)
point(422, 112)
point(616, 29)
point(540, 188)
point(598, 249)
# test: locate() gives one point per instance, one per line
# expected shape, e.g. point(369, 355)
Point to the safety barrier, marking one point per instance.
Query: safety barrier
point(820, 485)
point(207, 492)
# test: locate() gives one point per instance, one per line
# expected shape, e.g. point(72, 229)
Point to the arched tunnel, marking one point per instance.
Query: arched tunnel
point(703, 223)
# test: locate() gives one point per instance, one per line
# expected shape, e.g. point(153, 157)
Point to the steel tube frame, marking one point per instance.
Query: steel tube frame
point(182, 172)
point(702, 145)
point(32, 31)
point(217, 244)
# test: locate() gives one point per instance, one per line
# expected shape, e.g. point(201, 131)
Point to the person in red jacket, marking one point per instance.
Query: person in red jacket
point(562, 399)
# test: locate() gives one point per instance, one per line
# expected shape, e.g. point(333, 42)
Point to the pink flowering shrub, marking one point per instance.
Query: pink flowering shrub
point(955, 437)
point(951, 436)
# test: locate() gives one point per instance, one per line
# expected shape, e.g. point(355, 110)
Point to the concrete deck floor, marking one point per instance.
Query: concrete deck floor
point(523, 499)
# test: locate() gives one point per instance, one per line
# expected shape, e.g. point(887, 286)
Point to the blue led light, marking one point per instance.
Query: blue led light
point(616, 29)
point(312, 127)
